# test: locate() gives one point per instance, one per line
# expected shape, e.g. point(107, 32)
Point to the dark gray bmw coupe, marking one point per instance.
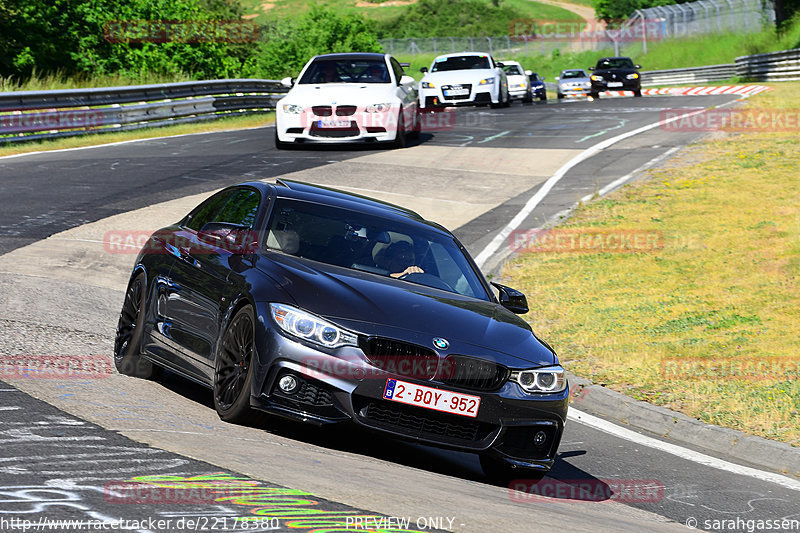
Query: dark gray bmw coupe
point(324, 306)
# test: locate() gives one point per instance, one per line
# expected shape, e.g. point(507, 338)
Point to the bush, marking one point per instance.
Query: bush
point(288, 44)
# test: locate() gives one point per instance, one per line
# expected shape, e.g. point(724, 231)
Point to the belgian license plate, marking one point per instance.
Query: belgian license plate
point(615, 84)
point(430, 398)
point(456, 91)
point(333, 123)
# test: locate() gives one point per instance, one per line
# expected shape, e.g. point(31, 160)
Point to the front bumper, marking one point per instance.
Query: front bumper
point(344, 387)
point(359, 126)
point(481, 94)
point(626, 85)
point(574, 91)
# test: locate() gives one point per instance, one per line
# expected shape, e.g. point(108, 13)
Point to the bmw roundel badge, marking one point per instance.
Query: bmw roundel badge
point(440, 343)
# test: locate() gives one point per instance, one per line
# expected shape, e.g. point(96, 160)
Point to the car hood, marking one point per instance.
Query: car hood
point(379, 305)
point(459, 76)
point(340, 94)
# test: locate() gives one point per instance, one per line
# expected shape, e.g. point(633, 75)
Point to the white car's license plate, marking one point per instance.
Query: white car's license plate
point(615, 84)
point(455, 92)
point(333, 123)
point(430, 398)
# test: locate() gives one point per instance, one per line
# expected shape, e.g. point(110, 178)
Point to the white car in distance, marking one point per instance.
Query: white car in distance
point(519, 85)
point(349, 97)
point(467, 78)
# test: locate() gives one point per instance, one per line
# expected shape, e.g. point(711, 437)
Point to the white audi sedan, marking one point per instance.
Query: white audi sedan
point(467, 78)
point(352, 97)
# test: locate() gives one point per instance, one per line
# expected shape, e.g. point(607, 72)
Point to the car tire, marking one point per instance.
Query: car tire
point(559, 96)
point(400, 137)
point(543, 98)
point(128, 340)
point(281, 145)
point(637, 93)
point(528, 98)
point(501, 472)
point(233, 369)
point(596, 96)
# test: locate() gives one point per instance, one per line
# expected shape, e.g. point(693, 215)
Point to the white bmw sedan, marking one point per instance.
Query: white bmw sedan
point(467, 78)
point(352, 97)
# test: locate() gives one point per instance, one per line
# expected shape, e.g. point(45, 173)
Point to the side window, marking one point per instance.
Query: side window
point(204, 213)
point(240, 209)
point(398, 70)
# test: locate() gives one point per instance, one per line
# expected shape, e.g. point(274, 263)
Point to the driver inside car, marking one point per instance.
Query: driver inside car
point(399, 259)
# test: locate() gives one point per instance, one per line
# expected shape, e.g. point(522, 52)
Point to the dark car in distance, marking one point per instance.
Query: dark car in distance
point(615, 74)
point(328, 307)
point(538, 88)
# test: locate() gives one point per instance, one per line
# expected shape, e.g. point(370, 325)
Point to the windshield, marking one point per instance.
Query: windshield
point(346, 71)
point(513, 70)
point(372, 244)
point(570, 74)
point(615, 62)
point(441, 64)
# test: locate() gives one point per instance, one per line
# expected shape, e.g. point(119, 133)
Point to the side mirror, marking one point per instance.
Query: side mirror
point(238, 240)
point(499, 64)
point(542, 78)
point(591, 68)
point(637, 67)
point(512, 299)
point(557, 78)
point(528, 72)
point(405, 80)
point(423, 69)
point(287, 82)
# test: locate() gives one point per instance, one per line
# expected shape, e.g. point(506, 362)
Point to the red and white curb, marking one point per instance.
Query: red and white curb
point(742, 90)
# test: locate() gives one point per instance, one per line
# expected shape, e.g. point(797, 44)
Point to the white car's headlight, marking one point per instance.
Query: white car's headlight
point(487, 81)
point(293, 109)
point(428, 85)
point(378, 108)
point(311, 328)
point(632, 76)
point(547, 380)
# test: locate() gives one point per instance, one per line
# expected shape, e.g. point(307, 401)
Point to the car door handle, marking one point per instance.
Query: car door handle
point(186, 255)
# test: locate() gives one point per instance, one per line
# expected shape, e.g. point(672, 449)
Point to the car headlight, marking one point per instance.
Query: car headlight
point(487, 81)
point(428, 85)
point(595, 77)
point(632, 76)
point(311, 328)
point(377, 108)
point(547, 380)
point(293, 109)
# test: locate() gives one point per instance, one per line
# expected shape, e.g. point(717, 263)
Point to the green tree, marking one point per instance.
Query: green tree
point(288, 44)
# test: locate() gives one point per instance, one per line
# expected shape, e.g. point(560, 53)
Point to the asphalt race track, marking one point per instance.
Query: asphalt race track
point(69, 444)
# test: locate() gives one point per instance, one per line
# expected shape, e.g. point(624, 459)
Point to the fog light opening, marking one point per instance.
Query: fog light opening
point(288, 384)
point(539, 439)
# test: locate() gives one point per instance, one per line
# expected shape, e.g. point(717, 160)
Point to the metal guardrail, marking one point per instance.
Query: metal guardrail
point(706, 74)
point(29, 115)
point(774, 66)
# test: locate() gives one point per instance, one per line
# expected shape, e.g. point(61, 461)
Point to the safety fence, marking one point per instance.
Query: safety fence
point(29, 115)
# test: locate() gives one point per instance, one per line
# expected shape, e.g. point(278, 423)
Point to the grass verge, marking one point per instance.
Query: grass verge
point(247, 121)
point(706, 325)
